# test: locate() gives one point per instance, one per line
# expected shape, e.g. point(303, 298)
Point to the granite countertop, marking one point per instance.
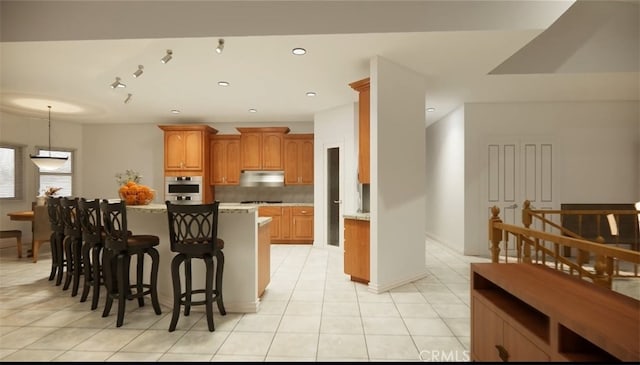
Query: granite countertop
point(263, 220)
point(272, 204)
point(358, 216)
point(222, 208)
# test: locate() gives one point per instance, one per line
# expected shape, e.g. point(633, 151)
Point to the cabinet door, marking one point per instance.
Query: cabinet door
point(174, 150)
point(291, 174)
point(356, 249)
point(251, 151)
point(272, 151)
point(232, 176)
point(276, 220)
point(302, 224)
point(520, 348)
point(286, 223)
point(218, 161)
point(193, 149)
point(362, 87)
point(487, 333)
point(225, 160)
point(305, 161)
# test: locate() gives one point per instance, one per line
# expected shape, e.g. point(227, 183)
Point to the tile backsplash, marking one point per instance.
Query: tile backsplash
point(288, 194)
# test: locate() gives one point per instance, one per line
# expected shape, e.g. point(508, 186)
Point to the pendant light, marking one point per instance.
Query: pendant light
point(49, 162)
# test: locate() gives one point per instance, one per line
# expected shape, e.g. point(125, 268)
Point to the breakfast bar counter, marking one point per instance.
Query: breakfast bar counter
point(237, 226)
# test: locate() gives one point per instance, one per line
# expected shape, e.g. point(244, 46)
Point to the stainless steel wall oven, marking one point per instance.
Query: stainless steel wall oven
point(183, 188)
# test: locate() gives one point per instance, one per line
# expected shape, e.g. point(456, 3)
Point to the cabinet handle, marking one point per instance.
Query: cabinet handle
point(503, 354)
point(303, 212)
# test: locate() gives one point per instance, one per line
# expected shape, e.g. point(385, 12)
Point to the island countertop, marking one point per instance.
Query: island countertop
point(358, 216)
point(222, 208)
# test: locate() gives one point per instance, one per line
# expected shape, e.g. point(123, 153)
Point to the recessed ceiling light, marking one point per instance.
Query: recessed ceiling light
point(175, 111)
point(223, 83)
point(311, 93)
point(431, 110)
point(252, 110)
point(298, 51)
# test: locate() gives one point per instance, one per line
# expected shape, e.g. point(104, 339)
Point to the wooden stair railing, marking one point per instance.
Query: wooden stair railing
point(527, 239)
point(538, 217)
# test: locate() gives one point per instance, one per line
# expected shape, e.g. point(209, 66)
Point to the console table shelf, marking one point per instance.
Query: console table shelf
point(529, 312)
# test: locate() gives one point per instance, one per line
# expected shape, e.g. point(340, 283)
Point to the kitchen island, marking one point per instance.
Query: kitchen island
point(237, 226)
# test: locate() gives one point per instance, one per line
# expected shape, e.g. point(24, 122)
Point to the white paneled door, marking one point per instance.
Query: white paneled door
point(516, 171)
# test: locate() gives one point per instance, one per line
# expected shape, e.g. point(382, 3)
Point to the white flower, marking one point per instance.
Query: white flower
point(129, 175)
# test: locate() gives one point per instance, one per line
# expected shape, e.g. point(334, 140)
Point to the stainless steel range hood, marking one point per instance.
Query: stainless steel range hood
point(254, 178)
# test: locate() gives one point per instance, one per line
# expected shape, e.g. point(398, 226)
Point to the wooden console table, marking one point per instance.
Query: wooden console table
point(529, 312)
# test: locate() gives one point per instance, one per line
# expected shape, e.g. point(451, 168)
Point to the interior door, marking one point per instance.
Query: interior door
point(519, 170)
point(334, 202)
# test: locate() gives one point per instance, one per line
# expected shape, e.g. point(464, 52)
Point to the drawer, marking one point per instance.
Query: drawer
point(304, 210)
point(269, 211)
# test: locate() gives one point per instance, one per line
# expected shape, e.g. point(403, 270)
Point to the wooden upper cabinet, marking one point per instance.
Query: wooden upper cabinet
point(262, 148)
point(364, 153)
point(186, 148)
point(298, 159)
point(225, 160)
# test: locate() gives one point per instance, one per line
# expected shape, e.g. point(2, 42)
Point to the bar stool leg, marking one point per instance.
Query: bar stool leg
point(122, 262)
point(218, 290)
point(155, 266)
point(139, 277)
point(188, 286)
point(208, 291)
point(86, 266)
point(109, 283)
point(177, 290)
point(96, 275)
point(68, 249)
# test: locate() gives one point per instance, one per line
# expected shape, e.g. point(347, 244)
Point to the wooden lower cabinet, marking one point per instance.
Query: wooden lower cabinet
point(289, 224)
point(356, 250)
point(532, 313)
point(264, 257)
point(496, 340)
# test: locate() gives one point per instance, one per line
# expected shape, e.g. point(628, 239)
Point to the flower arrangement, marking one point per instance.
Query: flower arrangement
point(129, 175)
point(131, 191)
point(51, 191)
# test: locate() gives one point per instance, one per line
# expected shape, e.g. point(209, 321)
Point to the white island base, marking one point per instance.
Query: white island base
point(237, 226)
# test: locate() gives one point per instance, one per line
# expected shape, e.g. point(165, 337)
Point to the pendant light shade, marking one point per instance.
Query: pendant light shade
point(49, 162)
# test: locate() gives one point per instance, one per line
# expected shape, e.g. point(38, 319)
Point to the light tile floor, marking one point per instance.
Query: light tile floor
point(311, 311)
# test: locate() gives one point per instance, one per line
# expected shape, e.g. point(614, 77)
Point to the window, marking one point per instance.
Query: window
point(60, 178)
point(10, 171)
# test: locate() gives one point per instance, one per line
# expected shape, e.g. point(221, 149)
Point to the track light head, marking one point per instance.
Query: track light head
point(220, 46)
point(167, 57)
point(128, 99)
point(117, 83)
point(138, 71)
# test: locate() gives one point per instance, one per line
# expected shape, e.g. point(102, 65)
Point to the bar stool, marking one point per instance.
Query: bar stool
point(193, 233)
point(119, 246)
point(54, 210)
point(72, 243)
point(93, 242)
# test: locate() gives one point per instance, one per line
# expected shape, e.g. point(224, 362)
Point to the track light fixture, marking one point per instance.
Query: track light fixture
point(128, 99)
point(117, 83)
point(167, 57)
point(138, 71)
point(220, 46)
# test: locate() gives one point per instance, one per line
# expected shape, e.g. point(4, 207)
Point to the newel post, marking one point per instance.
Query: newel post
point(495, 234)
point(603, 267)
point(526, 221)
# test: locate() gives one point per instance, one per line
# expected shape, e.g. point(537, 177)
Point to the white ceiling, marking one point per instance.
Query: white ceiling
point(66, 54)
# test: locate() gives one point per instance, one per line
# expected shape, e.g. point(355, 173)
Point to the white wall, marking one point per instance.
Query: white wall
point(397, 192)
point(31, 133)
point(445, 180)
point(597, 152)
point(334, 127)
